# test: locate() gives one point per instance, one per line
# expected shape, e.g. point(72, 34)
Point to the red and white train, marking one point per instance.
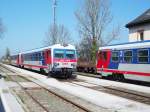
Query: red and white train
point(56, 59)
point(129, 61)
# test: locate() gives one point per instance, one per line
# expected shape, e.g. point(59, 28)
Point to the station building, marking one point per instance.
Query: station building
point(139, 28)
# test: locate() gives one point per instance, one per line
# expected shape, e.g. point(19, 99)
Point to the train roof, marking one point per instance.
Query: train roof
point(129, 45)
point(58, 46)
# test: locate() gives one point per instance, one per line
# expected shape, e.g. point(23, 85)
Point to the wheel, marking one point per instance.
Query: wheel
point(42, 71)
point(22, 67)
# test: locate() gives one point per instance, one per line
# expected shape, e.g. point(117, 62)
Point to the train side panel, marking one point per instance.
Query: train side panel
point(35, 60)
point(131, 63)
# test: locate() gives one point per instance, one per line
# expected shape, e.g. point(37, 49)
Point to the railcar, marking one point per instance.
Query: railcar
point(84, 65)
point(56, 59)
point(125, 61)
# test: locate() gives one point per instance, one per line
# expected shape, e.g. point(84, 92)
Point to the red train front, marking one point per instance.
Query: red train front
point(56, 60)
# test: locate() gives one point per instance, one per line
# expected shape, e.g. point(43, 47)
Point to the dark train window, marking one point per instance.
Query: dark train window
point(70, 54)
point(99, 55)
point(115, 56)
point(59, 53)
point(143, 56)
point(104, 54)
point(128, 56)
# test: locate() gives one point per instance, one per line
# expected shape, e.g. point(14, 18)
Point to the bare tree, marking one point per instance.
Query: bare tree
point(93, 20)
point(57, 34)
point(1, 28)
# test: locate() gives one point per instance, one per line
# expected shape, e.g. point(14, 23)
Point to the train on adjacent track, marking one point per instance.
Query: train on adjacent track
point(125, 61)
point(121, 61)
point(55, 60)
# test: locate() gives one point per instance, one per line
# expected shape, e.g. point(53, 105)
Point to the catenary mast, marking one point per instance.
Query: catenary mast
point(54, 12)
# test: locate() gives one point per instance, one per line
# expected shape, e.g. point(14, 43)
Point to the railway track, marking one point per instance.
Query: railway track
point(29, 92)
point(89, 75)
point(124, 93)
point(128, 94)
point(142, 83)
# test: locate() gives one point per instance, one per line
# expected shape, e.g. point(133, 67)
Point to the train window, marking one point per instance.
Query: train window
point(115, 56)
point(143, 56)
point(36, 56)
point(59, 53)
point(33, 57)
point(128, 56)
point(99, 55)
point(70, 54)
point(104, 55)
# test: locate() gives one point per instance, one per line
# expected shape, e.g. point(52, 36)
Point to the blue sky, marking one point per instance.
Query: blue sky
point(27, 21)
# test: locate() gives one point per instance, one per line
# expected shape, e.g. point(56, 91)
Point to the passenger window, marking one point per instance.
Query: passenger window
point(143, 56)
point(115, 56)
point(128, 56)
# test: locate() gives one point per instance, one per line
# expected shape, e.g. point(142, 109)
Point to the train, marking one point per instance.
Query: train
point(55, 60)
point(87, 66)
point(119, 61)
point(125, 61)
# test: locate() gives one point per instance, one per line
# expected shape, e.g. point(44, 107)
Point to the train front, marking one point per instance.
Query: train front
point(64, 60)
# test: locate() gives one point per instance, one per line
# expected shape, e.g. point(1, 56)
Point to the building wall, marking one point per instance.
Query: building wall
point(134, 32)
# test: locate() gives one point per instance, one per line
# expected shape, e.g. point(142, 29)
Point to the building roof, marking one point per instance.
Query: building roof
point(142, 19)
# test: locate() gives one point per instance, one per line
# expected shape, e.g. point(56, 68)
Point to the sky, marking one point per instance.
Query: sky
point(27, 21)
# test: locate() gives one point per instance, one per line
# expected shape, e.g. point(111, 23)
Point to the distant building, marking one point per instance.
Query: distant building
point(139, 28)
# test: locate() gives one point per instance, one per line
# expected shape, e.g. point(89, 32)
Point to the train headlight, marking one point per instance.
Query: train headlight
point(73, 65)
point(56, 64)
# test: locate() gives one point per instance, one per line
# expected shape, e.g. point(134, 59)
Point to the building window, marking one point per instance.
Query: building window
point(141, 35)
point(115, 56)
point(128, 56)
point(143, 56)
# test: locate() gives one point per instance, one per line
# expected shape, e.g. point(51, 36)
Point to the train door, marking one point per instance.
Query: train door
point(17, 59)
point(103, 60)
point(20, 59)
point(47, 57)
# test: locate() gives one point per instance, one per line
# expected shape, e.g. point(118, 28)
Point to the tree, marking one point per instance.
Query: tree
point(58, 34)
point(93, 20)
point(1, 28)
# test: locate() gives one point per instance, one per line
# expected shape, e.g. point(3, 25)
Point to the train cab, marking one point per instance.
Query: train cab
point(56, 59)
point(64, 60)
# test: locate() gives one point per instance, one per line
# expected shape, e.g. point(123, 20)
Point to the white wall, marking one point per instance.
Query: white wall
point(134, 34)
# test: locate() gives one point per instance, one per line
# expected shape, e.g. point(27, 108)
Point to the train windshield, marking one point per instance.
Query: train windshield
point(59, 53)
point(70, 54)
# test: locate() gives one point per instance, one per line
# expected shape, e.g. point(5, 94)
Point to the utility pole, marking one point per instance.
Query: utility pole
point(54, 11)
point(54, 22)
